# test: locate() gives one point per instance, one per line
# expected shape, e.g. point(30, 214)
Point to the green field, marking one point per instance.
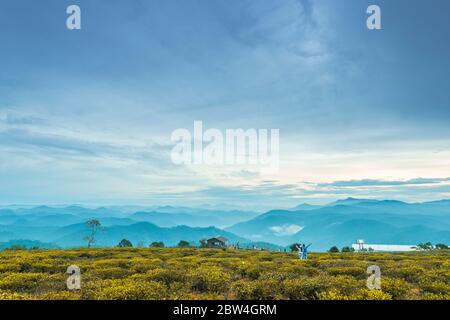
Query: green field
point(139, 273)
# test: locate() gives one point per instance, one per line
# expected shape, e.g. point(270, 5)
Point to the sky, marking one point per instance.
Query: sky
point(86, 116)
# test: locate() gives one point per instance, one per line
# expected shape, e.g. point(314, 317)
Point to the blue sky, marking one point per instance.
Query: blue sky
point(86, 116)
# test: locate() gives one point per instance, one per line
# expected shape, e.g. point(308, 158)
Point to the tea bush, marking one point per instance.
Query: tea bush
point(192, 273)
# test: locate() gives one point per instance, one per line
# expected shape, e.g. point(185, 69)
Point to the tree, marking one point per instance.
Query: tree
point(156, 244)
point(17, 247)
point(347, 249)
point(124, 243)
point(441, 246)
point(333, 249)
point(183, 244)
point(203, 243)
point(294, 247)
point(425, 246)
point(94, 226)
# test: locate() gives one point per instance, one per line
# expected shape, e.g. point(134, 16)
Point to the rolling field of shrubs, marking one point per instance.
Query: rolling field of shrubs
point(191, 273)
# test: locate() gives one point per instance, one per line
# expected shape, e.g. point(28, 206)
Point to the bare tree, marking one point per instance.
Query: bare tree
point(94, 225)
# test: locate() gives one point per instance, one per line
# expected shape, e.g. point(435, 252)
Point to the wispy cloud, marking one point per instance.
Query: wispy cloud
point(384, 183)
point(66, 144)
point(13, 119)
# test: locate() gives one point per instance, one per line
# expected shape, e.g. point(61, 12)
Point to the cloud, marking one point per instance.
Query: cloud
point(297, 65)
point(12, 119)
point(268, 195)
point(244, 174)
point(286, 230)
point(252, 197)
point(52, 143)
point(382, 183)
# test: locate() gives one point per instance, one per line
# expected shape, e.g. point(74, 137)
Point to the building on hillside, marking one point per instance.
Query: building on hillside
point(217, 242)
point(360, 245)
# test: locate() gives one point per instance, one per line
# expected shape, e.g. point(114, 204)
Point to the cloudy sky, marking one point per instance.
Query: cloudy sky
point(86, 115)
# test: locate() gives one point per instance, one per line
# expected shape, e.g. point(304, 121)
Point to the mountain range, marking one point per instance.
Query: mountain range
point(342, 222)
point(339, 223)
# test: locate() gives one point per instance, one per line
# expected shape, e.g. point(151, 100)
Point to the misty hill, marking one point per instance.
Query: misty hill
point(305, 206)
point(339, 223)
point(389, 222)
point(166, 216)
point(140, 233)
point(201, 219)
point(28, 244)
point(350, 201)
point(65, 226)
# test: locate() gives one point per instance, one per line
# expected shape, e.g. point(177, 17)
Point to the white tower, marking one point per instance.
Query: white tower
point(360, 243)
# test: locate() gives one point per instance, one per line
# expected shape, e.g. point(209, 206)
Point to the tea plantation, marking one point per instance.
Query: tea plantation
point(192, 273)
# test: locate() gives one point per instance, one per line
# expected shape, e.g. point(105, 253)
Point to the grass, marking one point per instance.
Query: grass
point(172, 273)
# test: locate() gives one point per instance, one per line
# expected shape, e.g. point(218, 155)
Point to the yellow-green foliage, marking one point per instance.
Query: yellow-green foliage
point(189, 273)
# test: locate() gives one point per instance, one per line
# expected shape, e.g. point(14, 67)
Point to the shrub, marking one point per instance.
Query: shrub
point(366, 294)
point(436, 287)
point(131, 290)
point(357, 272)
point(397, 288)
point(124, 243)
point(411, 273)
point(111, 273)
point(305, 288)
point(155, 244)
point(243, 290)
point(166, 276)
point(250, 271)
point(209, 279)
point(22, 282)
point(332, 294)
point(257, 290)
point(4, 295)
point(346, 284)
point(183, 244)
point(191, 273)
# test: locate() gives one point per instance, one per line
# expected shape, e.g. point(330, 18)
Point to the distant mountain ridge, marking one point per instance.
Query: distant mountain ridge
point(338, 223)
point(65, 226)
point(342, 222)
point(142, 233)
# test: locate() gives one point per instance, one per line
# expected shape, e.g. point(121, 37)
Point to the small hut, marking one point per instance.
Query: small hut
point(217, 242)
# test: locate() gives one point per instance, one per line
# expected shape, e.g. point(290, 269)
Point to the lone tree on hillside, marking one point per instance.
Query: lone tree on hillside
point(124, 243)
point(94, 226)
point(156, 244)
point(183, 244)
point(333, 249)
